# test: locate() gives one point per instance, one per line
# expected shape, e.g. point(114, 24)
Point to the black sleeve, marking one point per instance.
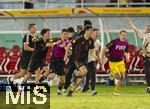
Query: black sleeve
point(110, 45)
point(91, 44)
point(38, 42)
point(25, 38)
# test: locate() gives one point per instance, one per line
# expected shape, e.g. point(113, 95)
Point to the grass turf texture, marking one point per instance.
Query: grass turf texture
point(132, 97)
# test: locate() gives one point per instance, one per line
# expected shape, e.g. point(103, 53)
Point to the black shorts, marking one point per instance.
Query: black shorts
point(57, 66)
point(92, 67)
point(35, 64)
point(24, 63)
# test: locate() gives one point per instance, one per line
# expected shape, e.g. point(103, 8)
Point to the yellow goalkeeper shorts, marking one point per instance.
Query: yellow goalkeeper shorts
point(117, 67)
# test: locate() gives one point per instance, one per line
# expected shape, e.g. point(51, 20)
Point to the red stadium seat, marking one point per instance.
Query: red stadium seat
point(131, 63)
point(136, 63)
point(3, 60)
point(132, 49)
point(14, 58)
point(140, 63)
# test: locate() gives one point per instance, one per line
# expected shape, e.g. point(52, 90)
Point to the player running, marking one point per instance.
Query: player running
point(57, 64)
point(117, 48)
point(91, 74)
point(28, 48)
point(38, 58)
point(80, 50)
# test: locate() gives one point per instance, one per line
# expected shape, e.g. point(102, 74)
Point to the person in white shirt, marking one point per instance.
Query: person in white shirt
point(145, 36)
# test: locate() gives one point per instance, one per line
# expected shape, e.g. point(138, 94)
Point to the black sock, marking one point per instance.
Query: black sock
point(60, 86)
point(70, 91)
point(22, 85)
point(42, 78)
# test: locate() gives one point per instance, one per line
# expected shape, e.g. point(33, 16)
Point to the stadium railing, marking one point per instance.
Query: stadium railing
point(45, 4)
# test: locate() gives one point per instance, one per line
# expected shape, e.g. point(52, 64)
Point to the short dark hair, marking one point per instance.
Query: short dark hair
point(43, 31)
point(123, 31)
point(95, 29)
point(70, 30)
point(79, 27)
point(64, 30)
point(87, 22)
point(88, 27)
point(31, 25)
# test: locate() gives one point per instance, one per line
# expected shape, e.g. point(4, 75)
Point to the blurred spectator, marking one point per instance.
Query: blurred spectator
point(123, 3)
point(113, 1)
point(147, 1)
point(137, 1)
point(78, 30)
point(28, 4)
point(78, 1)
point(101, 2)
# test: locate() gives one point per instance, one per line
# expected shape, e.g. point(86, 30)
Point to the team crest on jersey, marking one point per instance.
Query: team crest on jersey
point(82, 42)
point(51, 40)
point(73, 41)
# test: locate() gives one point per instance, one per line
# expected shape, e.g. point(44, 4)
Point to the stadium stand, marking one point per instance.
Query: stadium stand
point(3, 60)
point(14, 58)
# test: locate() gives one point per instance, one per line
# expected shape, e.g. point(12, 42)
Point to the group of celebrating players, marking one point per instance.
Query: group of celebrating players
point(78, 52)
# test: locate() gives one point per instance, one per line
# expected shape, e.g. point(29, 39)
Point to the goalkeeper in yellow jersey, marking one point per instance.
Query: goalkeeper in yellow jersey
point(117, 49)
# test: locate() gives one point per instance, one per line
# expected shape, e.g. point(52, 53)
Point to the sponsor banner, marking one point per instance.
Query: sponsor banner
point(114, 10)
point(69, 11)
point(29, 12)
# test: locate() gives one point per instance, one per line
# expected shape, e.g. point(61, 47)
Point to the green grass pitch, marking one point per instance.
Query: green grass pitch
point(132, 97)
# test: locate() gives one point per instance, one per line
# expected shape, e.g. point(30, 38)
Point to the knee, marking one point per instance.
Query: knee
point(52, 75)
point(83, 71)
point(22, 73)
point(117, 76)
point(123, 77)
point(28, 75)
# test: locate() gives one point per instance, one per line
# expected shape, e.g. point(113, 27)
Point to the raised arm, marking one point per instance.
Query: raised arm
point(132, 26)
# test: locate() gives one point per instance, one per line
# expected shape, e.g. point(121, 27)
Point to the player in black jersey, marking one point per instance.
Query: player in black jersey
point(28, 48)
point(80, 50)
point(69, 61)
point(38, 62)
